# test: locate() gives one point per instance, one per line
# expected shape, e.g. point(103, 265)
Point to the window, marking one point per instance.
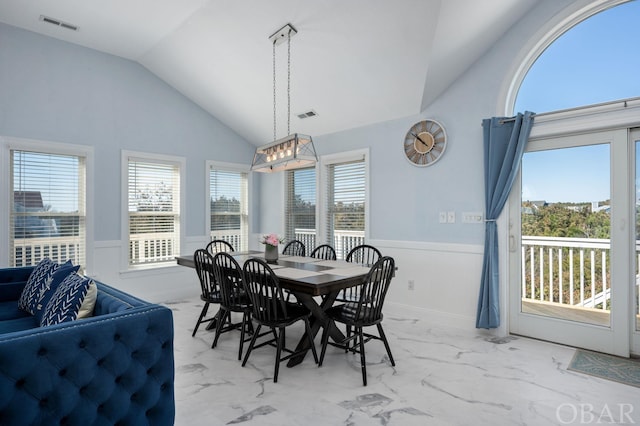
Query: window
point(153, 191)
point(47, 207)
point(228, 206)
point(300, 209)
point(346, 200)
point(565, 75)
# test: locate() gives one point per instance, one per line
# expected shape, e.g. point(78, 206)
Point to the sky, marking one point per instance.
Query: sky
point(595, 61)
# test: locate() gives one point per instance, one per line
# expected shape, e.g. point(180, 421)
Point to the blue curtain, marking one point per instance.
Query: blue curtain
point(504, 143)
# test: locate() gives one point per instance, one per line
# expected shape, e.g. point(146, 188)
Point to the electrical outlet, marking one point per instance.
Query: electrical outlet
point(411, 285)
point(451, 217)
point(472, 217)
point(443, 217)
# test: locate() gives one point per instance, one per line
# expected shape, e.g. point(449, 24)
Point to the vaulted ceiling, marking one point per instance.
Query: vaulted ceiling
point(353, 62)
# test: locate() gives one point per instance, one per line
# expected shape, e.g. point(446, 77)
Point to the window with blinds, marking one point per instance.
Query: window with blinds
point(153, 193)
point(346, 196)
point(300, 208)
point(228, 200)
point(47, 214)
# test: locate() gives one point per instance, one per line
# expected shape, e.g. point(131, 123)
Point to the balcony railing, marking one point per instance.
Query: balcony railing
point(343, 240)
point(569, 271)
point(30, 251)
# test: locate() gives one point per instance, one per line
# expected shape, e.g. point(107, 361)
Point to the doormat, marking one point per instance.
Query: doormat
point(617, 369)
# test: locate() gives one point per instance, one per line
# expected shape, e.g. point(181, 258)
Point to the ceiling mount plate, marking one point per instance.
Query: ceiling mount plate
point(281, 35)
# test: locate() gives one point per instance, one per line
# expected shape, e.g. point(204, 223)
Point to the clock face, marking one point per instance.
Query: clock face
point(425, 142)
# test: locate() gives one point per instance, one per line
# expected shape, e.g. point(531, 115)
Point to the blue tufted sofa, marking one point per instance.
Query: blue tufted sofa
point(114, 368)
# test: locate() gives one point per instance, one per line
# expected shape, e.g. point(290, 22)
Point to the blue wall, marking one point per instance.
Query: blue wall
point(57, 91)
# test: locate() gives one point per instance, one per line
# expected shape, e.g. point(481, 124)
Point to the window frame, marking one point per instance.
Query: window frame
point(321, 194)
point(180, 162)
point(287, 198)
point(55, 148)
point(227, 167)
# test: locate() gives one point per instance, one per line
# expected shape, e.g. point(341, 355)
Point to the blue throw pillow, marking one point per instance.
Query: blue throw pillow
point(36, 283)
point(66, 300)
point(50, 287)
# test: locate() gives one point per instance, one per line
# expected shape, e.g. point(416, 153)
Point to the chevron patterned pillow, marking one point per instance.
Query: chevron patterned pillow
point(66, 301)
point(39, 281)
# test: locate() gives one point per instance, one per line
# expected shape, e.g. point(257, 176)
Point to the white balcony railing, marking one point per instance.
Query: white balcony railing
point(30, 251)
point(343, 241)
point(152, 248)
point(569, 271)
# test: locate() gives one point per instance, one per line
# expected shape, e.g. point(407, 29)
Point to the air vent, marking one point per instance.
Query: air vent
point(58, 23)
point(308, 114)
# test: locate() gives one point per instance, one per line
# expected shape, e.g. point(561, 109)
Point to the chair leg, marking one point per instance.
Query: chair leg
point(205, 308)
point(325, 341)
point(253, 341)
point(313, 346)
point(347, 341)
point(244, 325)
point(222, 315)
point(363, 361)
point(386, 343)
point(279, 346)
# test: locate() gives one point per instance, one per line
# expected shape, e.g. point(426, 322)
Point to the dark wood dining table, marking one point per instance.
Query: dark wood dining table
point(315, 283)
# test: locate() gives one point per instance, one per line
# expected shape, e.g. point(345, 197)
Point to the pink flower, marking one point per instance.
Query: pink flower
point(271, 239)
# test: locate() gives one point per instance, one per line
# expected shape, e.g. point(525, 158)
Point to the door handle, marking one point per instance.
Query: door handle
point(512, 243)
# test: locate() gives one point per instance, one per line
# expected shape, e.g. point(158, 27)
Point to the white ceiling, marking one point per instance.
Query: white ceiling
point(354, 62)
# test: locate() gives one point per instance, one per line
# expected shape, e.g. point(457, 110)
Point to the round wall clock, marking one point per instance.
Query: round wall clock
point(425, 142)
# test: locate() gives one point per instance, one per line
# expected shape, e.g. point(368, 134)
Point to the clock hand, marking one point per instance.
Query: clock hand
point(418, 137)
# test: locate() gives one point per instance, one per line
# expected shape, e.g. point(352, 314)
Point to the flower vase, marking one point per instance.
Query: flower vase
point(270, 253)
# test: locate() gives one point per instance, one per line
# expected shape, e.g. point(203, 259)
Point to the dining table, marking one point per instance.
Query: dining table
point(314, 282)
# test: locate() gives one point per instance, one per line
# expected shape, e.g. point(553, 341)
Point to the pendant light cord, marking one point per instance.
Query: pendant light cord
point(288, 86)
point(274, 90)
point(289, 83)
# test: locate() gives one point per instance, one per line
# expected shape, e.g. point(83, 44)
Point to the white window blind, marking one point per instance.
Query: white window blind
point(300, 209)
point(47, 214)
point(228, 191)
point(154, 211)
point(345, 201)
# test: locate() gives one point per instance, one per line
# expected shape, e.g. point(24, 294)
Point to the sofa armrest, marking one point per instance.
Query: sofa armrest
point(112, 369)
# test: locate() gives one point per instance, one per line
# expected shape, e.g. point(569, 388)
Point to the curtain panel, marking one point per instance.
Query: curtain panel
point(505, 139)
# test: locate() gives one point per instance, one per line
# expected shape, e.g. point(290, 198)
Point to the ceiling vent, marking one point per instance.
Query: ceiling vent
point(308, 114)
point(58, 23)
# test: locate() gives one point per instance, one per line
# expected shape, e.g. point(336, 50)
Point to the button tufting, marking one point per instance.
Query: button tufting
point(82, 344)
point(42, 352)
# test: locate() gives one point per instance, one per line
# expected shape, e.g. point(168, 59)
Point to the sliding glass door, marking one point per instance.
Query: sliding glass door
point(573, 269)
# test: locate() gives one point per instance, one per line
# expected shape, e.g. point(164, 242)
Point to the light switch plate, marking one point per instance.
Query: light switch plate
point(472, 217)
point(451, 217)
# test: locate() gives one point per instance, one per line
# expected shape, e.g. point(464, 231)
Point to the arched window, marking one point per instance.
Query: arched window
point(593, 62)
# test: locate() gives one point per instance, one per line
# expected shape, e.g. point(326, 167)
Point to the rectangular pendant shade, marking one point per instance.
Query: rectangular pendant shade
point(291, 152)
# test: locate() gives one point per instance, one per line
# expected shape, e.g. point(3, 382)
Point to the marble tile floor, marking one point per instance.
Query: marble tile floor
point(443, 376)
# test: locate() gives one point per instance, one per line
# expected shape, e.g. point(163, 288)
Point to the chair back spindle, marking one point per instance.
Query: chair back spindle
point(219, 246)
point(325, 252)
point(264, 290)
point(295, 248)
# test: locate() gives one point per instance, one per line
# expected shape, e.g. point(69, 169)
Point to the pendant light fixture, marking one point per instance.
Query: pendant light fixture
point(295, 150)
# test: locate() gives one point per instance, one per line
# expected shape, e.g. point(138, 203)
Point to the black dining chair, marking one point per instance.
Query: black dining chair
point(366, 312)
point(295, 248)
point(363, 254)
point(228, 274)
point(270, 309)
point(209, 289)
point(324, 251)
point(219, 246)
